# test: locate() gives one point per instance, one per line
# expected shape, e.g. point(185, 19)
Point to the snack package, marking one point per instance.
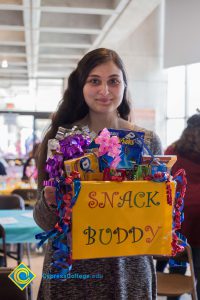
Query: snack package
point(114, 175)
point(85, 165)
point(168, 160)
point(140, 172)
point(131, 149)
point(93, 176)
point(158, 168)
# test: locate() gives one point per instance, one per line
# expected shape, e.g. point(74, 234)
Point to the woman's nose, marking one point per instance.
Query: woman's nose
point(104, 90)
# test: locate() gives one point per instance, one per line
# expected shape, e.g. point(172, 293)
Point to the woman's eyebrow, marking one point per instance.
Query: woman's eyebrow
point(112, 75)
point(94, 75)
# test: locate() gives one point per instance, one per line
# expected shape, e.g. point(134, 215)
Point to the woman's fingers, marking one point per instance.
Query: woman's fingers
point(50, 195)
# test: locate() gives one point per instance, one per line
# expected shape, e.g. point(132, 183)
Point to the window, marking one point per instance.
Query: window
point(193, 75)
point(18, 134)
point(183, 98)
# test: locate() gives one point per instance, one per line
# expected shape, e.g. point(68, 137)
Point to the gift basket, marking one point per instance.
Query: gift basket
point(112, 200)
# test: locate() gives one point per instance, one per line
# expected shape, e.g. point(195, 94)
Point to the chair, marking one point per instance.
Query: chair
point(29, 196)
point(3, 258)
point(8, 290)
point(170, 285)
point(13, 202)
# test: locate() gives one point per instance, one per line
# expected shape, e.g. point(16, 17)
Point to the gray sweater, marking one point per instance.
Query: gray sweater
point(120, 278)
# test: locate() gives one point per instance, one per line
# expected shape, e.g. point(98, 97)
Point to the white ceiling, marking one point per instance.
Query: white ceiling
point(44, 39)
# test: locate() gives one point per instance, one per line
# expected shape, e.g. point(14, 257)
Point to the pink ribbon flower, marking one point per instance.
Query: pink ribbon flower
point(109, 145)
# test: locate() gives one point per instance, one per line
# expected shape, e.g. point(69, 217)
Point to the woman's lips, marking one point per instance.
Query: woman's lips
point(104, 100)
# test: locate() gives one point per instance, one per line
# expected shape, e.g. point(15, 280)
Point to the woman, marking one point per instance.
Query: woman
point(187, 149)
point(2, 169)
point(96, 96)
point(29, 170)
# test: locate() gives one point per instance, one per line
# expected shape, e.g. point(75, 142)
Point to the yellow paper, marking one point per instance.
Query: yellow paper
point(121, 219)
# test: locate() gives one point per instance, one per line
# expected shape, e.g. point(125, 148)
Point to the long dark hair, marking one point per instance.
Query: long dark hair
point(73, 107)
point(189, 143)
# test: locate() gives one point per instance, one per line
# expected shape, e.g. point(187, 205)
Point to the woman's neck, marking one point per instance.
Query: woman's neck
point(97, 122)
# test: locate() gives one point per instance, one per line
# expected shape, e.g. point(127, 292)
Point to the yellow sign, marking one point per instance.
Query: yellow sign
point(21, 276)
point(121, 219)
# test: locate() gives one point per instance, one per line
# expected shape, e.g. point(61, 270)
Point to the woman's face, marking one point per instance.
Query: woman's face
point(104, 88)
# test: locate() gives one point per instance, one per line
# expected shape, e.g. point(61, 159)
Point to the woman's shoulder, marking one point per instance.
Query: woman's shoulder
point(125, 125)
point(151, 139)
point(148, 133)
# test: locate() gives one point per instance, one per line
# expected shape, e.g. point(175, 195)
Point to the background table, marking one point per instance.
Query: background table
point(23, 230)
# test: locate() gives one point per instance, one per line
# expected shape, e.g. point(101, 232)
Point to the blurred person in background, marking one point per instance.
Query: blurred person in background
point(187, 149)
point(2, 169)
point(3, 164)
point(30, 168)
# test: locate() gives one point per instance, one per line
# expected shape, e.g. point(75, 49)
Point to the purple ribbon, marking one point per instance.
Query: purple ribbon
point(73, 146)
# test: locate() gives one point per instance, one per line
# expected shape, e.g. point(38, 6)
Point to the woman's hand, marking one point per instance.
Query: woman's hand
point(50, 196)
